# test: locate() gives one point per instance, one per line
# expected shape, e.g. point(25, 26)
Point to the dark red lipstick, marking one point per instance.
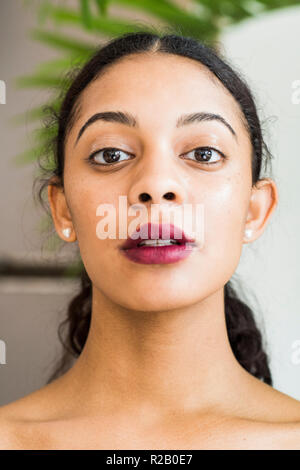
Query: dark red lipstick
point(158, 244)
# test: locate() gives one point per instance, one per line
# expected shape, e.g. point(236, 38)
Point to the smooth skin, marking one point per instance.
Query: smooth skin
point(157, 370)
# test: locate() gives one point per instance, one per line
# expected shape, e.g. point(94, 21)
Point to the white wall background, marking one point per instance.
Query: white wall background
point(267, 51)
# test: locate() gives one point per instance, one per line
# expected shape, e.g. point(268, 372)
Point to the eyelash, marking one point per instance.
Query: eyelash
point(92, 162)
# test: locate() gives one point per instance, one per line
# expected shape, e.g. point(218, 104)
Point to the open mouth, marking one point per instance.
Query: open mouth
point(159, 249)
point(159, 242)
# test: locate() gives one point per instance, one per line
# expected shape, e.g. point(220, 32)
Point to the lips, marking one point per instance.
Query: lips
point(160, 231)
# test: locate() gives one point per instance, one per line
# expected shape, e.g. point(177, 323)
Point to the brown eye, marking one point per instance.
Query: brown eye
point(107, 156)
point(206, 155)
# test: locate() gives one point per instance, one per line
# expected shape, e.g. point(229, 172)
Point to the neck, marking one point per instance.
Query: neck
point(164, 360)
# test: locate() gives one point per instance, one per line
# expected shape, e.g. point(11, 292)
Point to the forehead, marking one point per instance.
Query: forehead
point(157, 88)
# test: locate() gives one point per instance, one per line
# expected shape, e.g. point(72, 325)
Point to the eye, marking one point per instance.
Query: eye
point(207, 155)
point(107, 156)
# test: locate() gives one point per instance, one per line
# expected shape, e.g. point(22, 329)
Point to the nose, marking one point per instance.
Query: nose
point(157, 186)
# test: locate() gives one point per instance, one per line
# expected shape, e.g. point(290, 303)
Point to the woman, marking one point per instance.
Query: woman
point(169, 357)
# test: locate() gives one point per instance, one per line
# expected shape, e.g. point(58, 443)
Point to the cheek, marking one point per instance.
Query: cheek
point(225, 210)
point(84, 196)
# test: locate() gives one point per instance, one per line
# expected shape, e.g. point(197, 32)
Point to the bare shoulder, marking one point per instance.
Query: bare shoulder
point(20, 420)
point(262, 435)
point(269, 417)
point(272, 404)
point(11, 419)
point(6, 433)
point(286, 410)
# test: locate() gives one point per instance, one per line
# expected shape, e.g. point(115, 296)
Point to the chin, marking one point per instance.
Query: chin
point(148, 300)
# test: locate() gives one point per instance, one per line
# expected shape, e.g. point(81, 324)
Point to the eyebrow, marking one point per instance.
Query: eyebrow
point(129, 120)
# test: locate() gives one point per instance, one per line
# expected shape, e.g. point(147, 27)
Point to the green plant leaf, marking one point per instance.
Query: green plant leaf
point(100, 25)
point(86, 13)
point(180, 20)
point(102, 6)
point(30, 155)
point(61, 65)
point(43, 139)
point(39, 81)
point(60, 41)
point(35, 114)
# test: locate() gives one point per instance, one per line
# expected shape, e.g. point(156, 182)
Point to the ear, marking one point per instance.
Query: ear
point(263, 201)
point(60, 212)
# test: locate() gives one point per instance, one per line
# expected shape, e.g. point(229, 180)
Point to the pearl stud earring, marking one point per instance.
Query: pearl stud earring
point(66, 232)
point(248, 233)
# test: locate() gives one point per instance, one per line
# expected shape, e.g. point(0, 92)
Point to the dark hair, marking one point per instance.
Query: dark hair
point(244, 336)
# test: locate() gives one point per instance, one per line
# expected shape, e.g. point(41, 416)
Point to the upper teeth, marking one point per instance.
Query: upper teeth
point(158, 242)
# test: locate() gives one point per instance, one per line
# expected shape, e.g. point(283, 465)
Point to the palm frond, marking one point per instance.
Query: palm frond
point(62, 42)
point(86, 13)
point(102, 6)
point(39, 81)
point(99, 25)
point(37, 113)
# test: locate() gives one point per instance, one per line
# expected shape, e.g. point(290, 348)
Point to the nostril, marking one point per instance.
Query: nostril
point(144, 197)
point(169, 196)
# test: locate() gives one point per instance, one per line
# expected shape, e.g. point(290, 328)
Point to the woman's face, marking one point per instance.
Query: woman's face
point(158, 157)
